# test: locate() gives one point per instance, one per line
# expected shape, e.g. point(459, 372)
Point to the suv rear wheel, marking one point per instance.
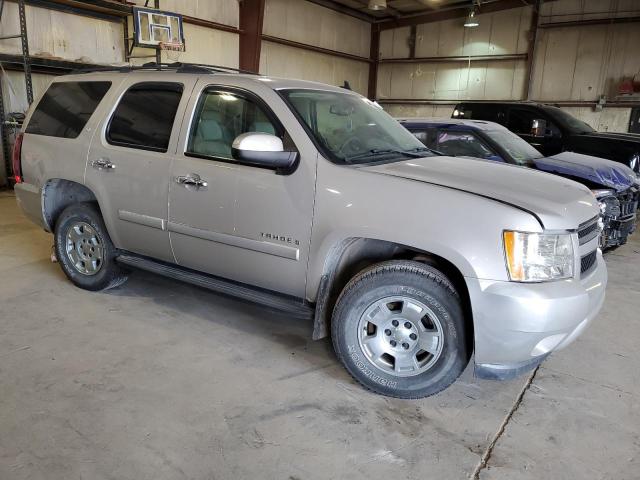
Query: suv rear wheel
point(398, 328)
point(84, 249)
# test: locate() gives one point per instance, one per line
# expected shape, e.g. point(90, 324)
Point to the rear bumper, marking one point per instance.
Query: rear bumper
point(517, 325)
point(29, 198)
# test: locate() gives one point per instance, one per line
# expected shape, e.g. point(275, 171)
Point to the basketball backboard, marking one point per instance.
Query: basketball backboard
point(155, 28)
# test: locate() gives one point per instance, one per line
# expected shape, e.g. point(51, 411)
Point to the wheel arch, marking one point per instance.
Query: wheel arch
point(58, 194)
point(351, 255)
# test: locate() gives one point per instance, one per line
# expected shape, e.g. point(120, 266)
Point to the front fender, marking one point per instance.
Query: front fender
point(463, 228)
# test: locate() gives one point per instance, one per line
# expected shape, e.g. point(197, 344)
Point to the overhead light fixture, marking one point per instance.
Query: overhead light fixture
point(377, 4)
point(472, 20)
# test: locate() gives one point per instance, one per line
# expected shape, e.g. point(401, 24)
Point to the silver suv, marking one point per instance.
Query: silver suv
point(310, 199)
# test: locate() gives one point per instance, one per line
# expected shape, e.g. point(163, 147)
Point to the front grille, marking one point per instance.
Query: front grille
point(628, 205)
point(588, 262)
point(588, 231)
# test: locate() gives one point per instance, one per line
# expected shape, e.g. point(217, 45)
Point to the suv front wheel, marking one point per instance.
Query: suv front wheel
point(398, 328)
point(84, 249)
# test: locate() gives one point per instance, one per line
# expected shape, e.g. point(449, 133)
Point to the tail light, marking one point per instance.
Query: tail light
point(17, 158)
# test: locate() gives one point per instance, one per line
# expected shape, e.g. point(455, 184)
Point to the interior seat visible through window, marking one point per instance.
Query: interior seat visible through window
point(222, 116)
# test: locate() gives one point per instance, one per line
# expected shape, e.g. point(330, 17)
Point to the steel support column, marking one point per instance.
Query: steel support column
point(374, 57)
point(25, 52)
point(533, 39)
point(251, 19)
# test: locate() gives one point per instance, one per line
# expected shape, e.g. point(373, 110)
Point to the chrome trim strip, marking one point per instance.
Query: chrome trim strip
point(269, 248)
point(140, 219)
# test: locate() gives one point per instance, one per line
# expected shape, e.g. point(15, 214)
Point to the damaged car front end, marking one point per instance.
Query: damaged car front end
point(615, 186)
point(618, 215)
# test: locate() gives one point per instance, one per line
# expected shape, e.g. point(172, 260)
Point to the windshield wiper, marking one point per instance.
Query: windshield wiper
point(423, 149)
point(413, 153)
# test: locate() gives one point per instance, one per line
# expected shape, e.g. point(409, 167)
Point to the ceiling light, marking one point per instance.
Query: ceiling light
point(472, 20)
point(377, 4)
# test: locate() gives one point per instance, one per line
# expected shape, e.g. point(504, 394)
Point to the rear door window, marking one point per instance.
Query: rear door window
point(65, 108)
point(144, 117)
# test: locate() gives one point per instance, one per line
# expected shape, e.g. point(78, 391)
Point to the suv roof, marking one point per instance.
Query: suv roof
point(434, 121)
point(154, 69)
point(528, 103)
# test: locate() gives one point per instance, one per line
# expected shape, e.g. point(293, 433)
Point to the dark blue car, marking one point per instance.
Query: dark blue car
point(616, 186)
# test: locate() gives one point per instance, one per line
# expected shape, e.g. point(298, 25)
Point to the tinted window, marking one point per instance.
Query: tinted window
point(521, 121)
point(66, 108)
point(462, 144)
point(222, 116)
point(569, 121)
point(144, 117)
point(480, 111)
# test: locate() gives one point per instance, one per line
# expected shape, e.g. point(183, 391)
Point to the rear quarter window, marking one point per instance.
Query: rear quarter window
point(65, 108)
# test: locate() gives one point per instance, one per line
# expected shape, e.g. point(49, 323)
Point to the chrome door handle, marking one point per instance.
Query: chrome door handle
point(103, 164)
point(192, 180)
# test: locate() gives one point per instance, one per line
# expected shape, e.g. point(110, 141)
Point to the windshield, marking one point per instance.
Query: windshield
point(352, 129)
point(569, 121)
point(518, 149)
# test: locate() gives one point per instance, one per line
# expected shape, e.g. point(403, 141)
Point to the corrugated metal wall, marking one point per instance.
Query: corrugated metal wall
point(500, 33)
point(573, 63)
point(307, 23)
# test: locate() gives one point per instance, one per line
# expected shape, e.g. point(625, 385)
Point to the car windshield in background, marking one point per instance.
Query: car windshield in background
point(516, 147)
point(351, 129)
point(576, 126)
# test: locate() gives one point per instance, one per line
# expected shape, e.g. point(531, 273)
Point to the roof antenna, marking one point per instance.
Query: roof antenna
point(346, 85)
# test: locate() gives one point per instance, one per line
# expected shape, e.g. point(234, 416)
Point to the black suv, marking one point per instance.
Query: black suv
point(551, 130)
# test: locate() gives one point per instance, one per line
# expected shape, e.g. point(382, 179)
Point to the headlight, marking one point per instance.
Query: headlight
point(538, 257)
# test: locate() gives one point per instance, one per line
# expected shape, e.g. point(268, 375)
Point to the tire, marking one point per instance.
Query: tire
point(376, 308)
point(84, 249)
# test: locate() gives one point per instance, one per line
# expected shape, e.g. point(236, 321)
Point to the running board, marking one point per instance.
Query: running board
point(291, 305)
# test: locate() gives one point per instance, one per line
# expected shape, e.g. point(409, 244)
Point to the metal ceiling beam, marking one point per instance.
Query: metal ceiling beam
point(467, 58)
point(450, 13)
point(594, 21)
point(340, 8)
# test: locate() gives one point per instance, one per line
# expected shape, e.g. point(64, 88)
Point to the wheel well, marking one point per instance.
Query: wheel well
point(58, 194)
point(355, 254)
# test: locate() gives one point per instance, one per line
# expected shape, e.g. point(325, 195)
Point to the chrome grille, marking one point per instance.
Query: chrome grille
point(587, 231)
point(628, 205)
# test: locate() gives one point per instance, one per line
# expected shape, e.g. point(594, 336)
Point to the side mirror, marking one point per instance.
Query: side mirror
point(538, 127)
point(263, 150)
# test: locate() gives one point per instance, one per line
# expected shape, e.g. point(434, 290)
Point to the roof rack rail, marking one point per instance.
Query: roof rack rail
point(178, 67)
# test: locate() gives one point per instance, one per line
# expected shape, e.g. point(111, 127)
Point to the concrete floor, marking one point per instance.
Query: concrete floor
point(160, 380)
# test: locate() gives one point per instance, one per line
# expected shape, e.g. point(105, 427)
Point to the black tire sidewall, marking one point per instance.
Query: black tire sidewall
point(444, 304)
point(88, 213)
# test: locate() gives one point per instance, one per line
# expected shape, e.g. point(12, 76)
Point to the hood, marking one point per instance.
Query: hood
point(559, 203)
point(625, 137)
point(607, 173)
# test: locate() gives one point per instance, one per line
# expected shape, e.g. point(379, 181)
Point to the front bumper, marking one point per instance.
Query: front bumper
point(615, 232)
point(518, 324)
point(616, 228)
